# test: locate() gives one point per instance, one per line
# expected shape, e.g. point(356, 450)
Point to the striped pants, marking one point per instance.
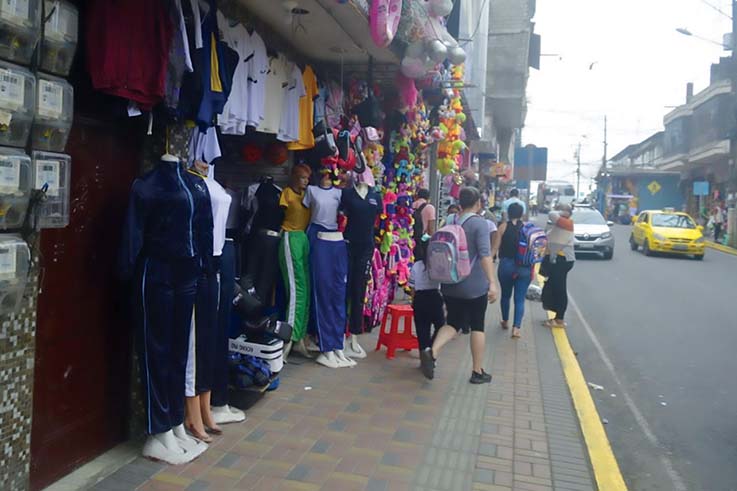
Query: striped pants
point(294, 251)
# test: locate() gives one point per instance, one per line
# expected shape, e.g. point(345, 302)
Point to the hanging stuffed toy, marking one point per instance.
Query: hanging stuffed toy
point(384, 19)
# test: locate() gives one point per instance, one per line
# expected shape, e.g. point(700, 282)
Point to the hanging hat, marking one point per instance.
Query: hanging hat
point(277, 153)
point(252, 153)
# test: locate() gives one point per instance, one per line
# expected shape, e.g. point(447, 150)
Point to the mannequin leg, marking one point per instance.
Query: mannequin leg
point(220, 360)
point(359, 269)
point(164, 447)
point(331, 260)
point(208, 419)
point(193, 421)
point(293, 261)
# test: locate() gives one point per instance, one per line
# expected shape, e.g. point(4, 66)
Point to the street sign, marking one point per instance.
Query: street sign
point(701, 188)
point(530, 163)
point(654, 187)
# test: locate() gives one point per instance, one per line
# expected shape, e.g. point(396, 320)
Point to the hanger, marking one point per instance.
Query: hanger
point(266, 179)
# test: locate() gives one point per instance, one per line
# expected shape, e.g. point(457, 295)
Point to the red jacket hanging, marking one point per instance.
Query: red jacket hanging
point(128, 44)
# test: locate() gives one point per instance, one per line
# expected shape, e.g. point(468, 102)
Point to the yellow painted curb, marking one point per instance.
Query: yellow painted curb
point(721, 248)
point(606, 469)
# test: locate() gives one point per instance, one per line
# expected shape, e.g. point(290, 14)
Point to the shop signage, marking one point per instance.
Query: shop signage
point(701, 188)
point(530, 163)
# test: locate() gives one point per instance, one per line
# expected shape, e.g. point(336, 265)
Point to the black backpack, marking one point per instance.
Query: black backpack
point(418, 230)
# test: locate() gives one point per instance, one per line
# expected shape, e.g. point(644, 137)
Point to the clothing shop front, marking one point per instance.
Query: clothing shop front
point(182, 212)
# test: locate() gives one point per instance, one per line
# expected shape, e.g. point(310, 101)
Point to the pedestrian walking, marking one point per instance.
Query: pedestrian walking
point(514, 279)
point(427, 303)
point(560, 261)
point(513, 198)
point(717, 221)
point(466, 301)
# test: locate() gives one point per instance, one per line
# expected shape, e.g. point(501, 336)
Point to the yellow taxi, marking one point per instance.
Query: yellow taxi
point(667, 231)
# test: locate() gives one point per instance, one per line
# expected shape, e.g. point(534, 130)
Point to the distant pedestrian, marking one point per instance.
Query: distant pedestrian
point(466, 301)
point(717, 221)
point(513, 198)
point(453, 209)
point(424, 213)
point(513, 278)
point(561, 259)
point(427, 302)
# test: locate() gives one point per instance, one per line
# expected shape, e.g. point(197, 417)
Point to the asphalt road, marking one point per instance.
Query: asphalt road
point(660, 335)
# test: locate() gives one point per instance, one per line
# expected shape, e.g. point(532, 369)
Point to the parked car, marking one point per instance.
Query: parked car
point(667, 231)
point(592, 233)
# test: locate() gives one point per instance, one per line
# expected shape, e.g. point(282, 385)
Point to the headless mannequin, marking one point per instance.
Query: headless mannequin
point(332, 357)
point(199, 419)
point(354, 348)
point(171, 445)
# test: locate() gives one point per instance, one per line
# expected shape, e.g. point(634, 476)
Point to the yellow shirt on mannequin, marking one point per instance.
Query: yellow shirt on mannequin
point(296, 216)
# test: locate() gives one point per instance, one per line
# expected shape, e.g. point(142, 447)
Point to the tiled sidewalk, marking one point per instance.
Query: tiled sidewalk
point(382, 426)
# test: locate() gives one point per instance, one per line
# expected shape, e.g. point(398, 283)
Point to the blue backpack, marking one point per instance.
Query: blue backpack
point(532, 245)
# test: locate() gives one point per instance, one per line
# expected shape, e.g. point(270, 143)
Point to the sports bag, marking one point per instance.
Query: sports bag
point(532, 245)
point(448, 260)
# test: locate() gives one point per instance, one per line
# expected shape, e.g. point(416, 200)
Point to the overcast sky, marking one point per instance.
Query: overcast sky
point(641, 66)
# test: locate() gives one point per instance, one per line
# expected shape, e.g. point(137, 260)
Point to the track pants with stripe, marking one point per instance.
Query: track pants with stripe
point(201, 356)
point(163, 301)
point(294, 251)
point(329, 275)
point(227, 286)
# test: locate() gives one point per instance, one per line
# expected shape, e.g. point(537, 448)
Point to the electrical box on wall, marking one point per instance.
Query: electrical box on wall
point(52, 170)
point(20, 28)
point(54, 113)
point(15, 261)
point(60, 37)
point(15, 187)
point(17, 103)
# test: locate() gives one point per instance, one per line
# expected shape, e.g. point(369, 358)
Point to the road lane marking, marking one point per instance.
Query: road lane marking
point(675, 477)
point(603, 462)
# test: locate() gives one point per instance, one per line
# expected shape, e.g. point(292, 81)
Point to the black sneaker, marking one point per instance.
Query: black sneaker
point(427, 363)
point(480, 378)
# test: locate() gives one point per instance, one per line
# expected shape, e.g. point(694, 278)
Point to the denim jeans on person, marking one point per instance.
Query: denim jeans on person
point(514, 281)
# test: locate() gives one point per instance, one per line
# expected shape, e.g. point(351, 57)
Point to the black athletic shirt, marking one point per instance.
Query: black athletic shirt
point(510, 240)
point(361, 214)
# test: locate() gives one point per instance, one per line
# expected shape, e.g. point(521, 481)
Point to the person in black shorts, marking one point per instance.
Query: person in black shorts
point(466, 301)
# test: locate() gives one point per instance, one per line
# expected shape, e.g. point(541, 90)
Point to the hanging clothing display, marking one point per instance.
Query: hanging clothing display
point(128, 45)
point(306, 112)
point(359, 236)
point(323, 204)
point(258, 67)
point(233, 119)
point(179, 56)
point(289, 123)
point(167, 239)
point(204, 145)
point(275, 81)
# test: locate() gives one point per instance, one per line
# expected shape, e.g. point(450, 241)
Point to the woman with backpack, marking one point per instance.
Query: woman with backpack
point(466, 297)
point(513, 277)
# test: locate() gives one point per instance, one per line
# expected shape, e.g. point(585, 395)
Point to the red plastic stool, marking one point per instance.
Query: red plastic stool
point(394, 339)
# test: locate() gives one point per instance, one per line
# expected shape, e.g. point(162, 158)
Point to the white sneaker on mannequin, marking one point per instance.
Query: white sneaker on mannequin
point(328, 360)
point(353, 349)
point(226, 414)
point(310, 344)
point(164, 447)
point(343, 360)
point(191, 446)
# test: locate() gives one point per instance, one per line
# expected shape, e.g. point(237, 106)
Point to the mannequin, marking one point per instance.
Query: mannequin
point(328, 270)
point(294, 257)
point(261, 202)
point(361, 206)
point(167, 235)
point(204, 329)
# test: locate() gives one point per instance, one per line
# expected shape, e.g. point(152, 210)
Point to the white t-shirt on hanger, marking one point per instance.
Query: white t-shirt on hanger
point(295, 89)
point(233, 119)
point(258, 67)
point(275, 82)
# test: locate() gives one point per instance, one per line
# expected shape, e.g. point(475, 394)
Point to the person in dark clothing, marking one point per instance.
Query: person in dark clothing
point(513, 278)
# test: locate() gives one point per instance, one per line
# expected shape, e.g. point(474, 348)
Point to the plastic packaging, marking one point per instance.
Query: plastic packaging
point(60, 37)
point(20, 29)
point(17, 104)
point(15, 187)
point(15, 261)
point(54, 113)
point(52, 170)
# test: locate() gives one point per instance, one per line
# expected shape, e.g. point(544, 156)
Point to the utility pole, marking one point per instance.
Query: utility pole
point(732, 191)
point(606, 144)
point(578, 171)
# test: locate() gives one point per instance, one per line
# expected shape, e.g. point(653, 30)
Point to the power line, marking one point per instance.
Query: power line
point(725, 14)
point(478, 24)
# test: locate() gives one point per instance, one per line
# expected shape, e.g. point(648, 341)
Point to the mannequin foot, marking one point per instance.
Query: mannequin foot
point(353, 349)
point(343, 360)
point(301, 348)
point(193, 420)
point(163, 447)
point(191, 446)
point(310, 344)
point(328, 360)
point(198, 433)
point(208, 421)
point(225, 414)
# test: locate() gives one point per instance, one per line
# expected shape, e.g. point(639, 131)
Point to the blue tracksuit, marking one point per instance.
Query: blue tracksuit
point(167, 242)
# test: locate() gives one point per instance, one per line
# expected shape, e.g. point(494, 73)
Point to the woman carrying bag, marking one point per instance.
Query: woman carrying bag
point(558, 264)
